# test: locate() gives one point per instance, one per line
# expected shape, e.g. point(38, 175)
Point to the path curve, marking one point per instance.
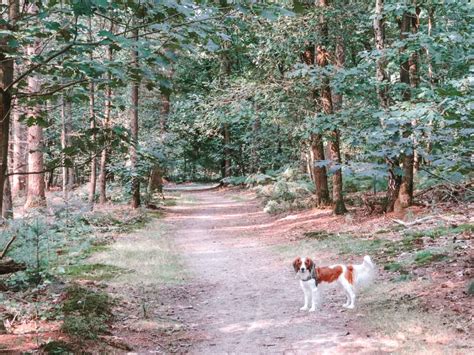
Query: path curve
point(249, 299)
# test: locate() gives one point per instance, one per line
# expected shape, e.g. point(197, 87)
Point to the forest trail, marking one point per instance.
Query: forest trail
point(248, 299)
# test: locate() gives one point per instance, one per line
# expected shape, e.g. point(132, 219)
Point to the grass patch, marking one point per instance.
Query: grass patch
point(94, 272)
point(426, 256)
point(86, 312)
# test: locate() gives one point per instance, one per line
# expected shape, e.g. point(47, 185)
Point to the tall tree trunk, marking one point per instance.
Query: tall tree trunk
point(19, 154)
point(67, 171)
point(134, 132)
point(405, 195)
point(36, 186)
point(394, 178)
point(104, 153)
point(6, 77)
point(92, 123)
point(227, 159)
point(7, 206)
point(155, 182)
point(319, 171)
point(381, 65)
point(326, 98)
point(316, 145)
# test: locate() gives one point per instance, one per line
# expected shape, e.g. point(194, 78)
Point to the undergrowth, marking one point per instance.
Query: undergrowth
point(86, 312)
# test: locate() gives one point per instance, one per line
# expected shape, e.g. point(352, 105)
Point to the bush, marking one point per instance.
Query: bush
point(291, 190)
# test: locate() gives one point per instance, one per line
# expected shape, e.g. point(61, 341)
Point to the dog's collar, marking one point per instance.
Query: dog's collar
point(312, 275)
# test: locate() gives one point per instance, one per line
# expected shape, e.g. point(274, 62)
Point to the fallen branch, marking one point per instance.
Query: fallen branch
point(410, 224)
point(9, 266)
point(115, 342)
point(4, 252)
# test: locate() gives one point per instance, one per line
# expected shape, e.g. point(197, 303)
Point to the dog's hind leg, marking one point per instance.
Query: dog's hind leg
point(350, 294)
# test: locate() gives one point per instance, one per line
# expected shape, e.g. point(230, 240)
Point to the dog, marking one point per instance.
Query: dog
point(348, 276)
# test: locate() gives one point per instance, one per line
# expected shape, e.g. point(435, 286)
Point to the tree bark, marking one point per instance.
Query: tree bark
point(381, 65)
point(135, 203)
point(394, 178)
point(36, 185)
point(7, 207)
point(19, 154)
point(319, 172)
point(92, 123)
point(67, 171)
point(227, 159)
point(405, 195)
point(104, 153)
point(6, 77)
point(326, 98)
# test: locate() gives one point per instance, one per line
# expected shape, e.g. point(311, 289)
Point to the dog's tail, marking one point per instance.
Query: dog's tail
point(365, 273)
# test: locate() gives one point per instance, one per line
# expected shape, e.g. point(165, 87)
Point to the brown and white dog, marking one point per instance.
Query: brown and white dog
point(348, 276)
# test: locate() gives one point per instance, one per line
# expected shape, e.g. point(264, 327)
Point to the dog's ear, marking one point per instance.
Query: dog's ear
point(297, 264)
point(309, 263)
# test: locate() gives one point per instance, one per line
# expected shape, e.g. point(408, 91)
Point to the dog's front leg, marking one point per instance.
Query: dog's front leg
point(306, 296)
point(314, 295)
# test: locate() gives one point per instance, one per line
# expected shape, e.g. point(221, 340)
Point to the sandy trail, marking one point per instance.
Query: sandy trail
point(249, 299)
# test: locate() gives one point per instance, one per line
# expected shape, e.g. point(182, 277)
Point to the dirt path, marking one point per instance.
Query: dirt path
point(247, 297)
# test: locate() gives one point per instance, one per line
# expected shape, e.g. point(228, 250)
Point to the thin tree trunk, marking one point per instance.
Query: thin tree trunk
point(104, 153)
point(326, 98)
point(405, 194)
point(394, 178)
point(67, 171)
point(92, 123)
point(381, 65)
point(19, 154)
point(7, 207)
point(134, 132)
point(227, 159)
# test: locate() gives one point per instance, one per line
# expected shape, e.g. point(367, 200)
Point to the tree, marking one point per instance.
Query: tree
point(322, 59)
point(36, 185)
point(134, 128)
point(408, 76)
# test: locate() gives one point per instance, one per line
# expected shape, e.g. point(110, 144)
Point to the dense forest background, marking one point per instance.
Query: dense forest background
point(354, 94)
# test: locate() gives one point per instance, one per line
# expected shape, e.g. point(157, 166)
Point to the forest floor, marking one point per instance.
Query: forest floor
point(214, 275)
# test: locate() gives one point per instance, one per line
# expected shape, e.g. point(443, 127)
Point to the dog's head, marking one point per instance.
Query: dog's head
point(303, 267)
